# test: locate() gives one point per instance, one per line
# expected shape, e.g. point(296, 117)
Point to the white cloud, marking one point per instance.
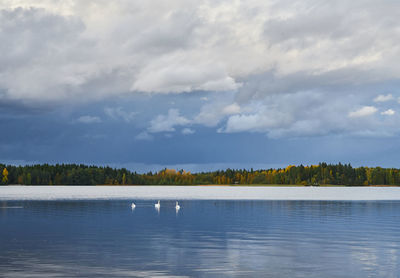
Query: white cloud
point(178, 74)
point(89, 119)
point(389, 112)
point(167, 123)
point(310, 113)
point(187, 131)
point(73, 49)
point(233, 108)
point(383, 98)
point(262, 121)
point(299, 114)
point(119, 113)
point(363, 112)
point(216, 108)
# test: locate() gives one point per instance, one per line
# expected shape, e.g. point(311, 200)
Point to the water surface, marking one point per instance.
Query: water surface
point(204, 239)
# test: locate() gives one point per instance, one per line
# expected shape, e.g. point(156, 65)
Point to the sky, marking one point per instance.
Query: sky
point(200, 85)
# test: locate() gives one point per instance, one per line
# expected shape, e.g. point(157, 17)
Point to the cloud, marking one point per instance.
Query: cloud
point(308, 113)
point(389, 112)
point(167, 123)
point(363, 112)
point(253, 122)
point(89, 119)
point(119, 113)
point(233, 108)
point(284, 68)
point(178, 74)
point(383, 98)
point(77, 50)
point(187, 131)
point(37, 60)
point(216, 109)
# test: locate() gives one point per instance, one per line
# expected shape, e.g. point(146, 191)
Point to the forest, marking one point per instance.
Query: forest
point(315, 175)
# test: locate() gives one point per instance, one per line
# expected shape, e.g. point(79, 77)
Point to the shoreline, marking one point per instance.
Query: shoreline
point(8, 193)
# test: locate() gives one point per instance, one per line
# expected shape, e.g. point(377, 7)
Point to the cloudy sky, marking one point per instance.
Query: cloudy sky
point(200, 84)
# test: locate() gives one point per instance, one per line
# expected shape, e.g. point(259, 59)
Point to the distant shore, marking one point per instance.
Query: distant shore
point(199, 193)
point(312, 175)
point(218, 185)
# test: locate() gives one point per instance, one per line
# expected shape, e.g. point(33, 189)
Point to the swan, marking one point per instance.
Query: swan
point(133, 205)
point(177, 206)
point(157, 206)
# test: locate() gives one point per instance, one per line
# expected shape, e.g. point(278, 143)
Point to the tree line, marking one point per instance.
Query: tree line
point(321, 174)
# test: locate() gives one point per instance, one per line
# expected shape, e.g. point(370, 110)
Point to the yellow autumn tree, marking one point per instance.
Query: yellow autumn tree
point(5, 176)
point(170, 172)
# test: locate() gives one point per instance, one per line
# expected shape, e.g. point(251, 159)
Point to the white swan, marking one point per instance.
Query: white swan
point(157, 206)
point(133, 205)
point(177, 206)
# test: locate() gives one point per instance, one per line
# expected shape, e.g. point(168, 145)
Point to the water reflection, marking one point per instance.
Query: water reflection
point(206, 238)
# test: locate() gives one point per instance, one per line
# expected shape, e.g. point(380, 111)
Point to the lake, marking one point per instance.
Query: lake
point(205, 238)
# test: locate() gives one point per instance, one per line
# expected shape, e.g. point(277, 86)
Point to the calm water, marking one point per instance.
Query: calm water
point(204, 239)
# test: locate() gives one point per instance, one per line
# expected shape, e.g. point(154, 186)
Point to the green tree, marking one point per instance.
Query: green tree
point(28, 179)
